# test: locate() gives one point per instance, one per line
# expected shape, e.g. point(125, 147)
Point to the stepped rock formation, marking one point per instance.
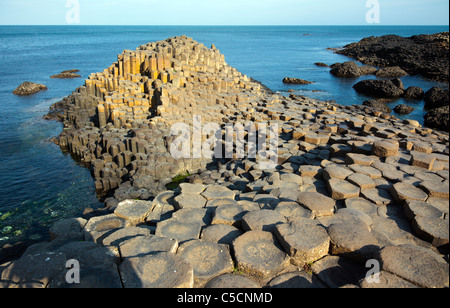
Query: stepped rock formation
point(121, 118)
point(352, 187)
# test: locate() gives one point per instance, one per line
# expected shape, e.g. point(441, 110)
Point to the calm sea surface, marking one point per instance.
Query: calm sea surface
point(40, 185)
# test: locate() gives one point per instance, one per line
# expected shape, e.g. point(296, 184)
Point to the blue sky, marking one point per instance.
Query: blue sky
point(226, 12)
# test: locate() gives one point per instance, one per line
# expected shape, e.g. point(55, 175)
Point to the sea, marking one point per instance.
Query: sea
point(40, 184)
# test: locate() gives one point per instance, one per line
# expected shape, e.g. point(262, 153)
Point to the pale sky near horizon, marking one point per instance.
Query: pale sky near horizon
point(228, 12)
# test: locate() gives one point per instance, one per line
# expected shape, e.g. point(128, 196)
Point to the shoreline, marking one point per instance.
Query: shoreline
point(320, 141)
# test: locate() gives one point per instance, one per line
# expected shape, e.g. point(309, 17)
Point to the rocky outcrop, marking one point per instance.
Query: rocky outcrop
point(438, 118)
point(29, 88)
point(390, 72)
point(416, 93)
point(289, 80)
point(436, 97)
point(349, 186)
point(403, 109)
point(379, 88)
point(67, 74)
point(348, 69)
point(426, 55)
point(378, 104)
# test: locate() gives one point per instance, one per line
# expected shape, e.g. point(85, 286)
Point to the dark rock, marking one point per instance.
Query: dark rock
point(436, 97)
point(296, 81)
point(346, 70)
point(403, 109)
point(414, 93)
point(438, 118)
point(427, 55)
point(378, 88)
point(28, 88)
point(391, 72)
point(368, 70)
point(320, 64)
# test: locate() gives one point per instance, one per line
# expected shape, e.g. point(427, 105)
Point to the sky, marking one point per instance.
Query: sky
point(225, 12)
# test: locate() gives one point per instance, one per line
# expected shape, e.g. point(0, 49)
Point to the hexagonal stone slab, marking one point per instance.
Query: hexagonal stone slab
point(404, 191)
point(218, 192)
point(415, 264)
point(263, 220)
point(304, 242)
point(385, 148)
point(162, 270)
point(362, 205)
point(208, 259)
point(341, 189)
point(436, 189)
point(423, 160)
point(293, 210)
point(162, 207)
point(189, 201)
point(181, 231)
point(231, 281)
point(363, 181)
point(367, 170)
point(414, 208)
point(353, 241)
point(319, 204)
point(222, 234)
point(201, 216)
point(432, 230)
point(336, 172)
point(258, 254)
point(146, 245)
point(135, 212)
point(228, 214)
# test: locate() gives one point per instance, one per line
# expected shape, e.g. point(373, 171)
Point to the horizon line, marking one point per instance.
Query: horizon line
point(352, 25)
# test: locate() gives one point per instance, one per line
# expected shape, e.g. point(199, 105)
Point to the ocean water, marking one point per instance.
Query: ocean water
point(40, 185)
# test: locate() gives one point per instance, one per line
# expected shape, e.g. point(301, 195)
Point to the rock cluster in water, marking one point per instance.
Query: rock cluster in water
point(352, 187)
point(29, 88)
